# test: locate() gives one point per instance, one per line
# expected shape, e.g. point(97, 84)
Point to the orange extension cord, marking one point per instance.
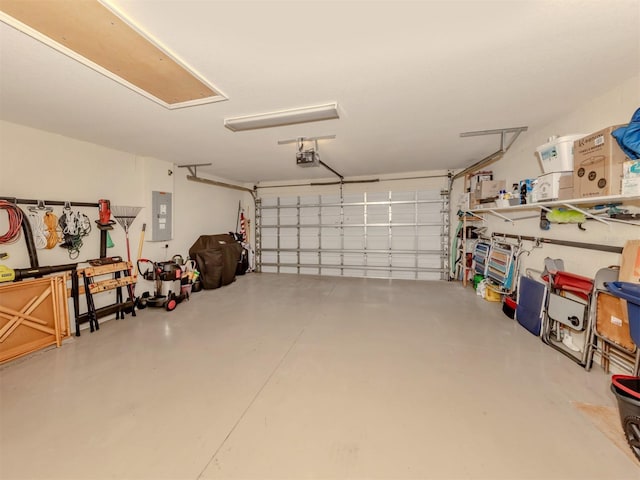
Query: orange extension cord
point(53, 235)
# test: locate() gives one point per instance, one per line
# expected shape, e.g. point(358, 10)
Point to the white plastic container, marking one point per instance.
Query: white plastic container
point(557, 154)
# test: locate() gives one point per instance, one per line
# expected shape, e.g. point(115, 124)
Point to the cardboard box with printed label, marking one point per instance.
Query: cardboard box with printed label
point(480, 177)
point(547, 187)
point(489, 188)
point(598, 165)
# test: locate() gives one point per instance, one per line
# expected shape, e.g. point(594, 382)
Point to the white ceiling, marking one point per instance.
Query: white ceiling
point(408, 78)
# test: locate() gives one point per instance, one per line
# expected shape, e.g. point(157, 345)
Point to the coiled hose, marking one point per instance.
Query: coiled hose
point(15, 222)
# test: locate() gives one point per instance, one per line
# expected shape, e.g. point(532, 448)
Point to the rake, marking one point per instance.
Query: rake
point(125, 217)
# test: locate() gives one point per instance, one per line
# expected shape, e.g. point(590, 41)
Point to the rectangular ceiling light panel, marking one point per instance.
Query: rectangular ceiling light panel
point(97, 36)
point(284, 117)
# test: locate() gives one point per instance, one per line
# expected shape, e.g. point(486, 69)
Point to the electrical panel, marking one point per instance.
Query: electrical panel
point(161, 213)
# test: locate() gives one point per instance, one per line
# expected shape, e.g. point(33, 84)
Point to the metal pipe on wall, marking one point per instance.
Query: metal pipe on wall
point(22, 273)
point(565, 243)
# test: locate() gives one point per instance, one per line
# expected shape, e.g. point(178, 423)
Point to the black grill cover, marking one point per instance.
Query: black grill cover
point(217, 257)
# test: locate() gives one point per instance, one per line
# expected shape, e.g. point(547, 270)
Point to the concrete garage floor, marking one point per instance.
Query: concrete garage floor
point(284, 376)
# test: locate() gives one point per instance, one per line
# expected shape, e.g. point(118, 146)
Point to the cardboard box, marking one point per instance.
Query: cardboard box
point(598, 165)
point(565, 191)
point(480, 177)
point(547, 187)
point(489, 188)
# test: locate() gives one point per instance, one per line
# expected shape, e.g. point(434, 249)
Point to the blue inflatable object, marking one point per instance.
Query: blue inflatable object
point(629, 137)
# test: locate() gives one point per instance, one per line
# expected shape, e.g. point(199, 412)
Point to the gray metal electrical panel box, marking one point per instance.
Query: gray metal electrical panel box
point(161, 216)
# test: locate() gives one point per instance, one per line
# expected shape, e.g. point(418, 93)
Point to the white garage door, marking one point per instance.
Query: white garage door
point(382, 234)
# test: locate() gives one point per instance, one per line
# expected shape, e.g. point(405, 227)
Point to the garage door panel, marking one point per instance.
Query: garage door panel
point(378, 259)
point(402, 275)
point(288, 257)
point(330, 258)
point(428, 262)
point(379, 234)
point(288, 242)
point(307, 258)
point(309, 241)
point(402, 261)
point(309, 216)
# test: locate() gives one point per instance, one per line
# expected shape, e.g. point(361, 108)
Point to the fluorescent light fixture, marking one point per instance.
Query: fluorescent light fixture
point(284, 117)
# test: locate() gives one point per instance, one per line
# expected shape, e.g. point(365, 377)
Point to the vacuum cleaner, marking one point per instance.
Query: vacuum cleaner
point(166, 277)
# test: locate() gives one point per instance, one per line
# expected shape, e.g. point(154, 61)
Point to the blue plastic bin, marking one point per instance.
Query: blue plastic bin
point(631, 293)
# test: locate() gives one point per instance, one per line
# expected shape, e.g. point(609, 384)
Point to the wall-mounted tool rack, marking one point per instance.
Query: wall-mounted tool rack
point(121, 272)
point(28, 234)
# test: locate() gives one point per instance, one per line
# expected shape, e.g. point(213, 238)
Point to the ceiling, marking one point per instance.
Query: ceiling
point(408, 77)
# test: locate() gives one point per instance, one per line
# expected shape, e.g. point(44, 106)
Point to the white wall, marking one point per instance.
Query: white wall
point(613, 107)
point(40, 165)
point(205, 209)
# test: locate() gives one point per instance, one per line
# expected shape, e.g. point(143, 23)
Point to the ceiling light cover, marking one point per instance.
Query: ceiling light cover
point(284, 117)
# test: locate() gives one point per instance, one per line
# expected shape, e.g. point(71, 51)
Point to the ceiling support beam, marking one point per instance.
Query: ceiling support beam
point(193, 167)
point(193, 178)
point(497, 155)
point(193, 170)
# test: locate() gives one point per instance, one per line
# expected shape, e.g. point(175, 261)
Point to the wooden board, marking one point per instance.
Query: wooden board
point(110, 284)
point(630, 262)
point(94, 32)
point(612, 320)
point(64, 321)
point(104, 269)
